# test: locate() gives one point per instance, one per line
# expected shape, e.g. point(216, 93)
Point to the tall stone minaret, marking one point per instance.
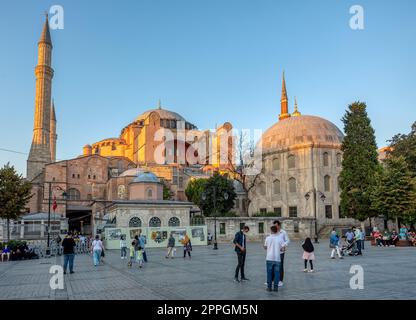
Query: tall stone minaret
point(284, 104)
point(53, 135)
point(40, 151)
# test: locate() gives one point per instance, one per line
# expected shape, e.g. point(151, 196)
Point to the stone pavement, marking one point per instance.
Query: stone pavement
point(388, 274)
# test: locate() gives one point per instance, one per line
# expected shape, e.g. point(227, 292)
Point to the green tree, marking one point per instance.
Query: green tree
point(359, 164)
point(215, 203)
point(194, 190)
point(167, 192)
point(395, 192)
point(405, 145)
point(15, 193)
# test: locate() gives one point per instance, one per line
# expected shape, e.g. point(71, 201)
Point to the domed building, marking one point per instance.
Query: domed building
point(301, 163)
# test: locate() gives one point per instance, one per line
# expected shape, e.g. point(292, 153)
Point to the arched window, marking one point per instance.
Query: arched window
point(149, 193)
point(135, 222)
point(338, 185)
point(262, 188)
point(73, 194)
point(291, 161)
point(276, 187)
point(174, 222)
point(292, 185)
point(155, 222)
point(327, 183)
point(276, 164)
point(339, 160)
point(326, 159)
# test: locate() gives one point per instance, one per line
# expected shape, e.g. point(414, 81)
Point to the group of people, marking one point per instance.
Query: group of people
point(20, 252)
point(390, 239)
point(137, 251)
point(275, 245)
point(69, 249)
point(186, 243)
point(82, 243)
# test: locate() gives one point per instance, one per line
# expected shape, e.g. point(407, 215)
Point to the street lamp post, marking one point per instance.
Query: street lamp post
point(204, 197)
point(322, 197)
point(48, 249)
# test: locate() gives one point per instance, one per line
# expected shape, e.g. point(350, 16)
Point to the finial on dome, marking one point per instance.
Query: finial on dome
point(159, 104)
point(296, 113)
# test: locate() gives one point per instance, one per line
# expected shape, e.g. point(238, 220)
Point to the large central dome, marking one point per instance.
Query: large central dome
point(301, 130)
point(163, 114)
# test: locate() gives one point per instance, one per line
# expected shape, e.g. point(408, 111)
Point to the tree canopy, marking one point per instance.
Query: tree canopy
point(359, 164)
point(395, 192)
point(218, 191)
point(15, 193)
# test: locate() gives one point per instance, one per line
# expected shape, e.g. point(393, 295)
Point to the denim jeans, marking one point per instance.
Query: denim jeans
point(241, 261)
point(69, 258)
point(97, 257)
point(123, 252)
point(273, 271)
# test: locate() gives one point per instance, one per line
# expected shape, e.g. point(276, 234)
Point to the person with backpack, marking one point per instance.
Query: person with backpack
point(334, 245)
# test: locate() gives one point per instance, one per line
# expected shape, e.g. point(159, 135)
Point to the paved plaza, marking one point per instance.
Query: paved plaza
point(388, 274)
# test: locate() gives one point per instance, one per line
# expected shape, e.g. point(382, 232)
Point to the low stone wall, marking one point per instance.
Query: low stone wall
point(297, 228)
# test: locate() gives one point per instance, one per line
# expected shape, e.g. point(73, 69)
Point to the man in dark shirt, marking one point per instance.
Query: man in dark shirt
point(240, 248)
point(68, 245)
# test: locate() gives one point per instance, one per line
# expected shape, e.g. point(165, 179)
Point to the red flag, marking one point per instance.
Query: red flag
point(54, 206)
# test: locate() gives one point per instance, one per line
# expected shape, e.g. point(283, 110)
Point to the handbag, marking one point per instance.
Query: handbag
point(102, 254)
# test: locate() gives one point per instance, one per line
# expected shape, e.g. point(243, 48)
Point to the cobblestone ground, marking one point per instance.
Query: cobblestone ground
point(388, 274)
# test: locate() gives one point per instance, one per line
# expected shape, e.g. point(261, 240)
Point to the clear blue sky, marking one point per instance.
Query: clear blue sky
point(209, 60)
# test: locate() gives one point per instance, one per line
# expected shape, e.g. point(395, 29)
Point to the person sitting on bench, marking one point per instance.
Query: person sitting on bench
point(5, 252)
point(394, 238)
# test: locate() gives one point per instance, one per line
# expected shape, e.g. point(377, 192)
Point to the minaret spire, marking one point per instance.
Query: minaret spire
point(40, 151)
point(159, 104)
point(284, 104)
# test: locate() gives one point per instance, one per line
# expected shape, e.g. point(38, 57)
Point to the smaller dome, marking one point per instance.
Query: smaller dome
point(146, 177)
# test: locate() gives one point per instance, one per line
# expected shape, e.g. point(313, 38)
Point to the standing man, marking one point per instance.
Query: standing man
point(273, 245)
point(142, 240)
point(171, 246)
point(362, 239)
point(241, 250)
point(357, 236)
point(349, 236)
point(284, 239)
point(68, 245)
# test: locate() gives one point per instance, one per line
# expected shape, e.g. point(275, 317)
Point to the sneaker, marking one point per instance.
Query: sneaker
point(310, 271)
point(71, 272)
point(341, 257)
point(332, 257)
point(245, 279)
point(275, 289)
point(64, 272)
point(280, 284)
point(269, 289)
point(236, 280)
point(305, 270)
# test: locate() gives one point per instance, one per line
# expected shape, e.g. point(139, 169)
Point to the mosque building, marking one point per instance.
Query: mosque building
point(126, 178)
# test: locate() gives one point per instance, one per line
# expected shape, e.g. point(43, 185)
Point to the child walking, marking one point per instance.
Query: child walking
point(308, 254)
point(130, 263)
point(140, 259)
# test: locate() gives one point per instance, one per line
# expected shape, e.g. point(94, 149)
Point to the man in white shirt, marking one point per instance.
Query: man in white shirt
point(284, 238)
point(273, 244)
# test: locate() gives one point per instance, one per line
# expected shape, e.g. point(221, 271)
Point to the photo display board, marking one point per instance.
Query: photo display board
point(156, 237)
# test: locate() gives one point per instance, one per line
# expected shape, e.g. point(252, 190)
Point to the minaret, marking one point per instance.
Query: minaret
point(40, 151)
point(284, 109)
point(53, 136)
